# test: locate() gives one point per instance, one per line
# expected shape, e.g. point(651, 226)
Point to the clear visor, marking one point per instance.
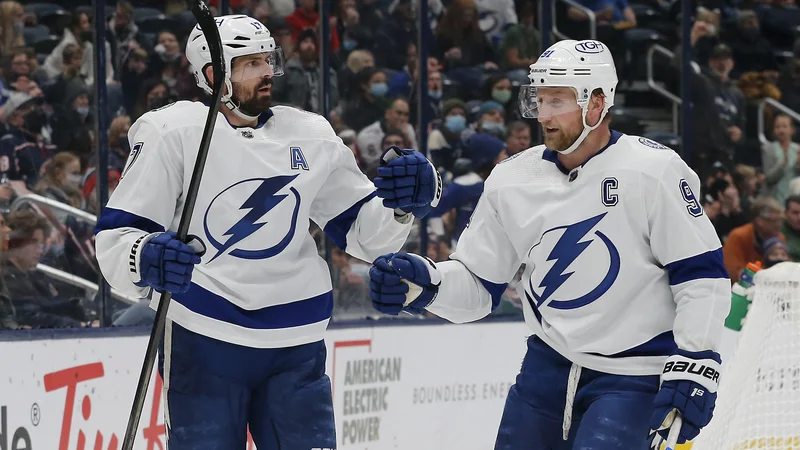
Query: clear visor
point(249, 67)
point(535, 102)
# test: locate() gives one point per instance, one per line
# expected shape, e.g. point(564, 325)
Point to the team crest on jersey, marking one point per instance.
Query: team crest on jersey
point(652, 143)
point(574, 265)
point(235, 220)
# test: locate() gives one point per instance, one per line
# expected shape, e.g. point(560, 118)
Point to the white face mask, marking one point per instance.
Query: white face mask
point(74, 179)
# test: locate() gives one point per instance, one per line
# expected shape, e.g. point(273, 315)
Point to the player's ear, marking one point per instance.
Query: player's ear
point(597, 103)
point(208, 71)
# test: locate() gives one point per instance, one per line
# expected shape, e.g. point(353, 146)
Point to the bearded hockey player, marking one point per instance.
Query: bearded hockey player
point(243, 345)
point(623, 274)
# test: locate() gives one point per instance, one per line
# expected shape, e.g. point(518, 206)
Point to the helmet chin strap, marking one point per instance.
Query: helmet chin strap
point(227, 100)
point(586, 130)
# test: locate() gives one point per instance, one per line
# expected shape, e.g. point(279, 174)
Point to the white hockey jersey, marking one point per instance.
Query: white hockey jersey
point(621, 265)
point(261, 282)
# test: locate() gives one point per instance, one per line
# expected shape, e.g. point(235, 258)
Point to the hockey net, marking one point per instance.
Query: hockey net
point(758, 406)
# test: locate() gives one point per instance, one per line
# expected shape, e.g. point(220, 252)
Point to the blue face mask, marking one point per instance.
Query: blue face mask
point(494, 128)
point(435, 95)
point(455, 123)
point(349, 44)
point(379, 89)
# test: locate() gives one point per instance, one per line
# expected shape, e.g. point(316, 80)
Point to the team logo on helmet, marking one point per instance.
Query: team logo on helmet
point(590, 47)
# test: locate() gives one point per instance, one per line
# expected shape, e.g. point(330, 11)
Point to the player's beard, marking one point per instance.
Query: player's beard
point(561, 140)
point(252, 103)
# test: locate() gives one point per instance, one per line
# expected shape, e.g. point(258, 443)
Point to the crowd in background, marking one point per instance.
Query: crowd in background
point(479, 54)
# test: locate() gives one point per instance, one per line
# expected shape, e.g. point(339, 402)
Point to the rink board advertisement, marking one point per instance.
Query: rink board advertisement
point(395, 387)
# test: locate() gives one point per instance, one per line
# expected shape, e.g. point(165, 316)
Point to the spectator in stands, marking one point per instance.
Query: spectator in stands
point(484, 152)
point(775, 251)
point(728, 212)
point(34, 301)
point(23, 143)
point(79, 32)
point(398, 33)
point(12, 23)
point(356, 60)
point(495, 17)
point(745, 244)
point(71, 60)
point(370, 100)
point(300, 82)
point(351, 288)
point(153, 94)
point(435, 93)
point(491, 119)
point(789, 80)
point(392, 137)
point(73, 122)
point(15, 65)
point(752, 51)
point(522, 44)
point(353, 34)
point(369, 139)
point(132, 76)
point(519, 137)
point(118, 145)
point(61, 181)
point(780, 159)
point(444, 141)
point(90, 193)
point(748, 181)
point(306, 16)
point(498, 88)
point(462, 46)
point(791, 226)
point(169, 64)
point(727, 98)
point(124, 30)
point(607, 12)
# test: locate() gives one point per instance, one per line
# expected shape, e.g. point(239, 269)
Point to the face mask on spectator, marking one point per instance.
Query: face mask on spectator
point(436, 95)
point(157, 102)
point(82, 111)
point(34, 121)
point(19, 26)
point(349, 44)
point(379, 89)
point(74, 179)
point(502, 96)
point(494, 128)
point(455, 123)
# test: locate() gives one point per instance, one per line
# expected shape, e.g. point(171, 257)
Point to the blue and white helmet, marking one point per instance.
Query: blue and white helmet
point(240, 35)
point(582, 66)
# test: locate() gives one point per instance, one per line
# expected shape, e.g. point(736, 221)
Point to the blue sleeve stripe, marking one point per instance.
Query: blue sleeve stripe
point(295, 314)
point(495, 290)
point(704, 265)
point(117, 218)
point(338, 227)
point(661, 345)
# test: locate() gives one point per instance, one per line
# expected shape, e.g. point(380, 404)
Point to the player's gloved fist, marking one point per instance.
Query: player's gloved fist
point(689, 385)
point(403, 282)
point(408, 181)
point(164, 262)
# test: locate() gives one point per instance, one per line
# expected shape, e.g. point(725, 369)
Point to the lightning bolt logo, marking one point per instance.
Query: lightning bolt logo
point(566, 250)
point(260, 202)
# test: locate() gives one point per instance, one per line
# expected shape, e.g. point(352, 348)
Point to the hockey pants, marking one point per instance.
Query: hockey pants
point(608, 411)
point(214, 390)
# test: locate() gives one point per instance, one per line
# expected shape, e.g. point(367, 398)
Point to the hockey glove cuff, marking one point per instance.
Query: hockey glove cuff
point(162, 262)
point(403, 282)
point(408, 181)
point(689, 384)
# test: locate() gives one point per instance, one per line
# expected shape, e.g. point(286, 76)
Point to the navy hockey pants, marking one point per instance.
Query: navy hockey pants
point(609, 411)
point(214, 390)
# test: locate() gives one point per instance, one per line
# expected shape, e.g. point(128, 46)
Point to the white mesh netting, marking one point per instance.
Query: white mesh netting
point(758, 406)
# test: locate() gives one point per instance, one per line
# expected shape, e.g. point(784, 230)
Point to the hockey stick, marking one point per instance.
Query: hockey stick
point(674, 431)
point(207, 23)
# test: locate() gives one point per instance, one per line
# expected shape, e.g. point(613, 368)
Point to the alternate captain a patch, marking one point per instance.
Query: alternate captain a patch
point(298, 159)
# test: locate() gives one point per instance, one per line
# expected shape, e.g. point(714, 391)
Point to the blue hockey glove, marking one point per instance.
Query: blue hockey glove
point(689, 385)
point(163, 262)
point(408, 181)
point(403, 282)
